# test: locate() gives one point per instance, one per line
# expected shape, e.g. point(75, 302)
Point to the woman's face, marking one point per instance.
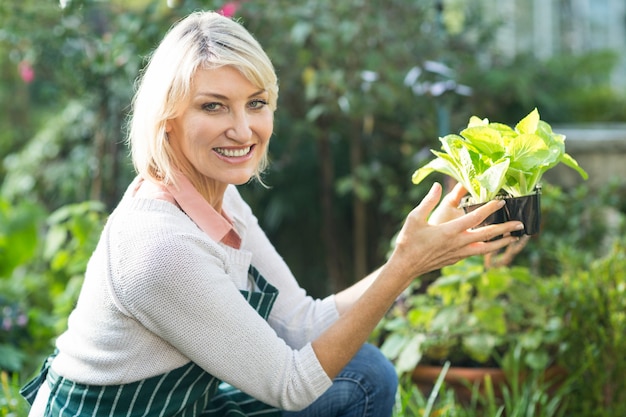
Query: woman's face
point(224, 129)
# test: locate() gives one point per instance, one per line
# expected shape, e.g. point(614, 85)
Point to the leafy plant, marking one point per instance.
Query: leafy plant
point(19, 241)
point(580, 225)
point(564, 96)
point(41, 269)
point(472, 315)
point(490, 158)
point(524, 394)
point(410, 401)
point(535, 393)
point(73, 232)
point(11, 403)
point(594, 304)
point(14, 321)
point(18, 235)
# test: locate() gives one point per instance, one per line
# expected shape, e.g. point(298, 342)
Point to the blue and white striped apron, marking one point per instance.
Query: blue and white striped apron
point(187, 391)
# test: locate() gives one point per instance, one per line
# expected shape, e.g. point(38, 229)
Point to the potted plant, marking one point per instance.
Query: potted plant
point(475, 317)
point(493, 160)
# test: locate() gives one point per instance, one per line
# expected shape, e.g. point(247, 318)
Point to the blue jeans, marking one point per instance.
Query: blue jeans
point(365, 388)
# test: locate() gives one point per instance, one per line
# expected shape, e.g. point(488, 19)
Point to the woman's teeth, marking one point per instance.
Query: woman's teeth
point(233, 152)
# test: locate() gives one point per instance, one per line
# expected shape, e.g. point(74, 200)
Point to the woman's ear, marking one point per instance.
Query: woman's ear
point(168, 126)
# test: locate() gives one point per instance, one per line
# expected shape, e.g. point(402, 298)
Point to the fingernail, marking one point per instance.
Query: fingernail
point(519, 226)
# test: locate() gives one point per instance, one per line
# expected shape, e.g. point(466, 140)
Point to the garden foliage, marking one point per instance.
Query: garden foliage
point(365, 92)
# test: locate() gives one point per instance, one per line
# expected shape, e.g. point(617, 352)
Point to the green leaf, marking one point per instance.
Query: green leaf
point(447, 165)
point(11, 358)
point(419, 317)
point(492, 317)
point(505, 131)
point(480, 346)
point(446, 319)
point(494, 282)
point(396, 324)
point(519, 183)
point(477, 121)
point(529, 123)
point(545, 131)
point(434, 165)
point(485, 140)
point(468, 170)
point(55, 239)
point(18, 235)
point(531, 340)
point(537, 360)
point(492, 180)
point(393, 345)
point(411, 354)
point(571, 162)
point(528, 151)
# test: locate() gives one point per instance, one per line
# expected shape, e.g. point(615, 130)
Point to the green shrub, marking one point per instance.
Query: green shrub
point(42, 262)
point(11, 403)
point(529, 395)
point(594, 307)
point(578, 226)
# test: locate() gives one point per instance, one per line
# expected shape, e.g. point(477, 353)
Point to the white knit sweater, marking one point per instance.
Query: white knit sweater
point(159, 293)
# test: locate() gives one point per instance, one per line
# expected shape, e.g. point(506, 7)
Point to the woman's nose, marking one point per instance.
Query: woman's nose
point(240, 129)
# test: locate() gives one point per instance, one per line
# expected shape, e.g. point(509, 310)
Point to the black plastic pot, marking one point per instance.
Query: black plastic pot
point(526, 209)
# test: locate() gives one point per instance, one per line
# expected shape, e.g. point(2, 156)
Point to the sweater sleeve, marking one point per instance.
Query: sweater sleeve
point(296, 317)
point(175, 282)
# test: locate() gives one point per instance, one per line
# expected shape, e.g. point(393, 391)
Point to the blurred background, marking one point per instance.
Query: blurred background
point(366, 89)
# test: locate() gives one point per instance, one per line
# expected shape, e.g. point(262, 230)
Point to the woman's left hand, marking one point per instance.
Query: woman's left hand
point(449, 209)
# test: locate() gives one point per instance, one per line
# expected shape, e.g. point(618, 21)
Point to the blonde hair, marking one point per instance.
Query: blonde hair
point(201, 40)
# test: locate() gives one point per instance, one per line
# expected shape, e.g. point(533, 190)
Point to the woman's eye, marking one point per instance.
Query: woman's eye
point(257, 104)
point(211, 106)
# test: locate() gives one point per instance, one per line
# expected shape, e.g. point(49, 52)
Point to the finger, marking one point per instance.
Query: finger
point(476, 217)
point(489, 246)
point(456, 195)
point(496, 231)
point(429, 202)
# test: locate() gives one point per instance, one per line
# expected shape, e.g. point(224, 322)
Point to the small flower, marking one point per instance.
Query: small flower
point(229, 9)
point(22, 320)
point(438, 68)
point(411, 77)
point(27, 73)
point(368, 78)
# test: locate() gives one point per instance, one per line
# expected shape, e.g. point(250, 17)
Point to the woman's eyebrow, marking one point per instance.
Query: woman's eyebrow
point(223, 97)
point(258, 93)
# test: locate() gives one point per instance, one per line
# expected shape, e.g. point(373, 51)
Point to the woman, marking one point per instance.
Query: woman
point(186, 308)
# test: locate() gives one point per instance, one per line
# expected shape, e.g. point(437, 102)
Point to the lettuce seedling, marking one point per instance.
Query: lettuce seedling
point(492, 159)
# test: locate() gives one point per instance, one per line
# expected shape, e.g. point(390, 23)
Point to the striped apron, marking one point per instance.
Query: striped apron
point(187, 391)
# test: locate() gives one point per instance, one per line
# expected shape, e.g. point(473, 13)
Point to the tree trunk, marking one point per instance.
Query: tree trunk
point(334, 265)
point(359, 208)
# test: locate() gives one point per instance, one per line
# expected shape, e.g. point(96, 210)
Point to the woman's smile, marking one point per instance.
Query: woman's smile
point(234, 153)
